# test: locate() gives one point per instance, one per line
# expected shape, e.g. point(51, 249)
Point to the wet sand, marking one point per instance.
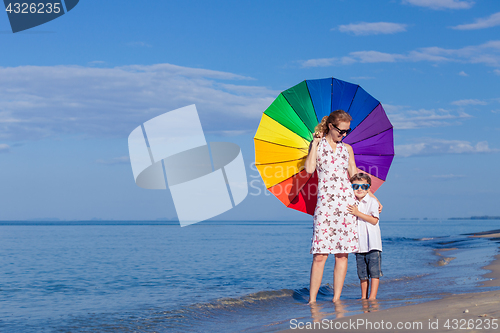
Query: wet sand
point(471, 312)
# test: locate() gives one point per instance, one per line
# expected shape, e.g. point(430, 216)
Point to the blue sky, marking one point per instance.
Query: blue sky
point(73, 89)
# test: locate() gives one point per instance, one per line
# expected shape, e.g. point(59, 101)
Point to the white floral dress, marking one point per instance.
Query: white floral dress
point(335, 229)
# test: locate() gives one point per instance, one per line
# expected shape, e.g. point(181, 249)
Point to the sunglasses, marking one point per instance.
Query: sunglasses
point(364, 187)
point(342, 132)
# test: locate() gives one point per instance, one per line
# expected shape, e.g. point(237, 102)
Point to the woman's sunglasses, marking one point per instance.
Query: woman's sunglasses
point(342, 132)
point(364, 187)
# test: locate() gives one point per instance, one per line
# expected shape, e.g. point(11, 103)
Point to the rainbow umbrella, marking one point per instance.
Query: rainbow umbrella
point(287, 127)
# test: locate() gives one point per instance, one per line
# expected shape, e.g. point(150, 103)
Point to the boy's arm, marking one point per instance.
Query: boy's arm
point(368, 218)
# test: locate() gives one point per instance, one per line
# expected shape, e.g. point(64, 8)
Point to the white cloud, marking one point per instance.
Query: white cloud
point(462, 73)
point(487, 54)
point(439, 147)
point(441, 4)
point(375, 56)
point(232, 133)
point(327, 62)
point(375, 28)
point(138, 44)
point(116, 160)
point(464, 102)
point(402, 118)
point(97, 63)
point(447, 177)
point(321, 62)
point(41, 101)
point(496, 71)
point(4, 148)
point(355, 78)
point(482, 23)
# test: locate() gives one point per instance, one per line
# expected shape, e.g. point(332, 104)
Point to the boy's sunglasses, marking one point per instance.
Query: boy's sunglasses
point(342, 132)
point(364, 187)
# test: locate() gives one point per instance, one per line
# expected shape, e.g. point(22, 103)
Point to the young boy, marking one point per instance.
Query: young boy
point(369, 258)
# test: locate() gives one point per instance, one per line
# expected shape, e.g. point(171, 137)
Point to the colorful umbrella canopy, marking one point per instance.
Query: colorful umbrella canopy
point(287, 127)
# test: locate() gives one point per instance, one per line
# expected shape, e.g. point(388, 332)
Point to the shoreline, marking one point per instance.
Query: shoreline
point(477, 311)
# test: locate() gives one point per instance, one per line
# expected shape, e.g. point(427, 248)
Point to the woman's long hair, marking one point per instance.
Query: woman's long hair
point(335, 118)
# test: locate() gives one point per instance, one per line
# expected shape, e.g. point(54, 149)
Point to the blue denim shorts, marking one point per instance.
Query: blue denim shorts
point(369, 264)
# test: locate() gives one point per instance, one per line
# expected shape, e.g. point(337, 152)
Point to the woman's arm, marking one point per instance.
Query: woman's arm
point(379, 204)
point(310, 164)
point(352, 169)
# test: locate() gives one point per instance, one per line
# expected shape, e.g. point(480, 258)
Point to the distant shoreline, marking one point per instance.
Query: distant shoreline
point(56, 221)
point(161, 220)
point(476, 218)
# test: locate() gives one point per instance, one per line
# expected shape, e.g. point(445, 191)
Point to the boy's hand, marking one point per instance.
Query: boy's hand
point(353, 210)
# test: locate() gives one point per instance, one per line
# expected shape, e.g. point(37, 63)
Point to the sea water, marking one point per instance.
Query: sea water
point(118, 276)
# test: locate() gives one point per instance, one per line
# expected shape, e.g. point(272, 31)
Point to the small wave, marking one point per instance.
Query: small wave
point(230, 302)
point(496, 231)
point(209, 314)
point(432, 238)
point(399, 239)
point(403, 278)
point(444, 261)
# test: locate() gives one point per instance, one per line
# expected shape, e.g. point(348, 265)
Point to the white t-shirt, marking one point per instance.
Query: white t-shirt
point(369, 234)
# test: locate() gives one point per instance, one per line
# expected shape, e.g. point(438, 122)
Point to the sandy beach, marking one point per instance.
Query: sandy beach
point(471, 312)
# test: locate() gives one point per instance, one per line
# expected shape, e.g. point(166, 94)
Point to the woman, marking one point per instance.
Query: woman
point(335, 230)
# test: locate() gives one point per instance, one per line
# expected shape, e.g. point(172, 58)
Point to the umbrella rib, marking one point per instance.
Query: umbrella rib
point(277, 144)
point(276, 120)
point(369, 112)
point(331, 98)
point(270, 163)
point(374, 154)
point(302, 120)
point(352, 143)
point(303, 185)
point(352, 100)
point(310, 98)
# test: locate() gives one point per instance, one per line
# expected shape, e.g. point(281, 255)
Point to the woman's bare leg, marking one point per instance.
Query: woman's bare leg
point(317, 268)
point(339, 273)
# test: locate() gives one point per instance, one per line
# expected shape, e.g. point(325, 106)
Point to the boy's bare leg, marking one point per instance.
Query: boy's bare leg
point(339, 273)
point(373, 292)
point(365, 284)
point(317, 267)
